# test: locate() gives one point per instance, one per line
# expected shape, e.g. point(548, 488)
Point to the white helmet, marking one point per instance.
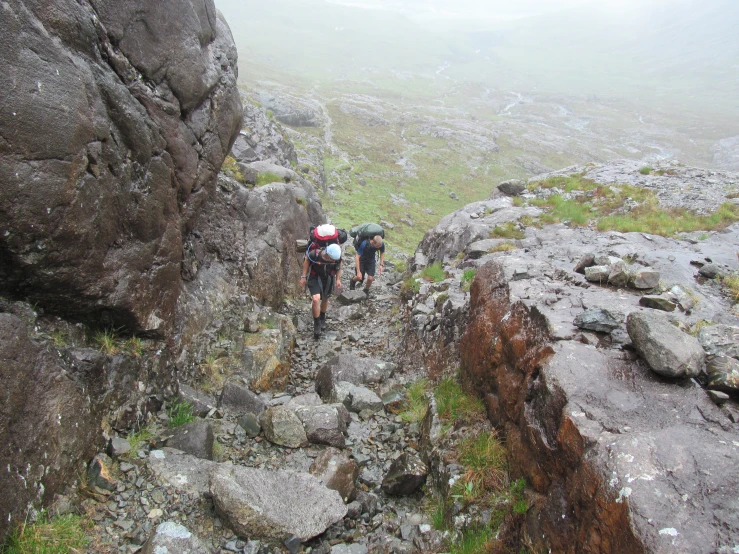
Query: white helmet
point(334, 251)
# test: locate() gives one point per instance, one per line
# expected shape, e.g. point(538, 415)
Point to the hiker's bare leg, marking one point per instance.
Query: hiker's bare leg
point(370, 280)
point(324, 306)
point(316, 305)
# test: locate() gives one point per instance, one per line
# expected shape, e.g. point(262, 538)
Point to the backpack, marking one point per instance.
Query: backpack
point(322, 235)
point(365, 231)
point(326, 234)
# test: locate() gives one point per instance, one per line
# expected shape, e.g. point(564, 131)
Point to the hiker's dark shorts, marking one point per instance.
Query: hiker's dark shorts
point(367, 266)
point(324, 286)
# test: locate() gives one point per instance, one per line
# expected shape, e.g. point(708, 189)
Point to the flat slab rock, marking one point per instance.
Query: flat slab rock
point(172, 538)
point(274, 505)
point(255, 503)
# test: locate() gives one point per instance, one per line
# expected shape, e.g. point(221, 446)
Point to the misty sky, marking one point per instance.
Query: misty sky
point(496, 9)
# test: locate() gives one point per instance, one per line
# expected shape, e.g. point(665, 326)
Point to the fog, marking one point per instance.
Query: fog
point(681, 53)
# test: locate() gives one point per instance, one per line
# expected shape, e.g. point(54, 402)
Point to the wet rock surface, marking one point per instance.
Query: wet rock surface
point(342, 456)
point(605, 442)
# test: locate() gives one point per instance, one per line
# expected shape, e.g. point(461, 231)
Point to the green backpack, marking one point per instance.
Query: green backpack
point(365, 231)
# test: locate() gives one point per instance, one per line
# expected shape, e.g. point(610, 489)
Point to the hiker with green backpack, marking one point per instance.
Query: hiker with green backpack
point(368, 240)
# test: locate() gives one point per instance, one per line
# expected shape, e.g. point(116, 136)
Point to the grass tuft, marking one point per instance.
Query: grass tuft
point(232, 170)
point(140, 437)
point(212, 374)
point(434, 272)
point(503, 247)
point(416, 403)
point(59, 338)
point(646, 170)
point(731, 285)
point(59, 535)
point(508, 230)
point(180, 412)
point(267, 178)
point(453, 403)
point(410, 287)
point(135, 346)
point(107, 341)
point(467, 277)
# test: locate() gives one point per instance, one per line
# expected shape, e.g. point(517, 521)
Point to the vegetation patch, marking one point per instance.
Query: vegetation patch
point(565, 210)
point(212, 374)
point(59, 338)
point(416, 402)
point(467, 277)
point(669, 222)
point(731, 285)
point(434, 272)
point(180, 412)
point(646, 170)
point(232, 170)
point(107, 341)
point(139, 437)
point(623, 208)
point(503, 247)
point(59, 535)
point(410, 287)
point(135, 346)
point(453, 404)
point(483, 483)
point(508, 230)
point(266, 178)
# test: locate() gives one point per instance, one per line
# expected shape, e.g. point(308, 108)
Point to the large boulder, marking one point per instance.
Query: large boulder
point(668, 350)
point(134, 107)
point(354, 370)
point(338, 471)
point(274, 505)
point(194, 438)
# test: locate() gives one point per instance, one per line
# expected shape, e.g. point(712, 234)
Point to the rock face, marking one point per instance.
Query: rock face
point(115, 121)
point(615, 454)
point(102, 190)
point(550, 386)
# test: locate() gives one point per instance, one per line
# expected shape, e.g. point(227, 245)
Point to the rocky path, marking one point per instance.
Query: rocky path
point(161, 498)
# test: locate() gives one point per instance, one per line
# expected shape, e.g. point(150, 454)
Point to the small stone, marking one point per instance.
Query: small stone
point(250, 424)
point(597, 319)
point(158, 496)
point(597, 273)
point(118, 447)
point(394, 400)
point(99, 473)
point(644, 279)
point(125, 524)
point(710, 271)
point(512, 187)
point(657, 303)
point(719, 398)
point(586, 261)
point(126, 467)
point(293, 544)
point(406, 475)
point(155, 513)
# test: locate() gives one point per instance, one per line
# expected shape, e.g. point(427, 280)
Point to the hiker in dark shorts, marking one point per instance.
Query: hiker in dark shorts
point(321, 271)
point(365, 262)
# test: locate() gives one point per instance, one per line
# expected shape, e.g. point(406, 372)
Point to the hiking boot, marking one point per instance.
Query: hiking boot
point(366, 292)
point(323, 322)
point(352, 284)
point(316, 328)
